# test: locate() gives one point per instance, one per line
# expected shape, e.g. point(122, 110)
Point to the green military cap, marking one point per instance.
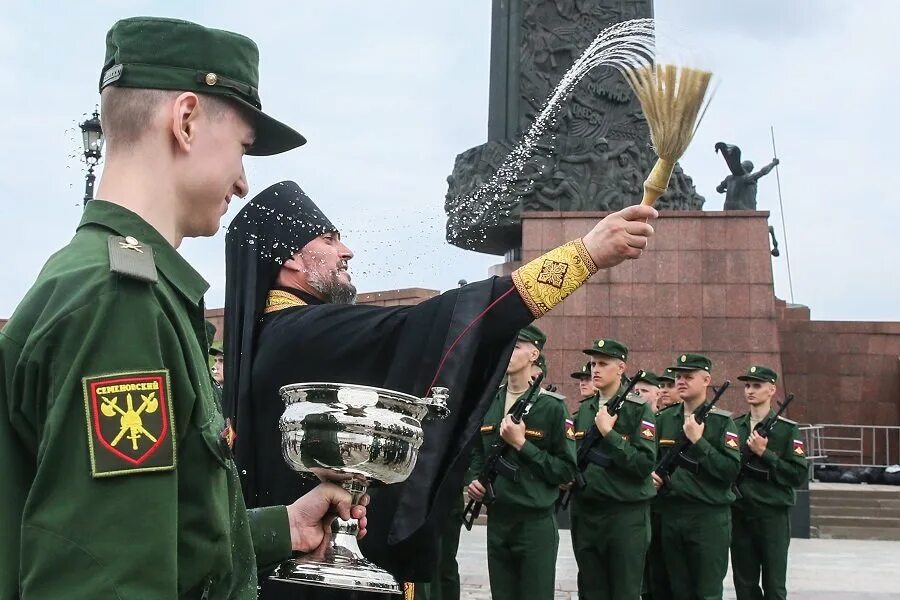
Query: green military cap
point(668, 375)
point(650, 377)
point(534, 335)
point(216, 349)
point(170, 54)
point(760, 373)
point(609, 348)
point(583, 373)
point(692, 362)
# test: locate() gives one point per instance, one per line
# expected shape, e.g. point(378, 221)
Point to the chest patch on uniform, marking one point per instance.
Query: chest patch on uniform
point(731, 439)
point(534, 433)
point(665, 442)
point(129, 422)
point(487, 428)
point(579, 435)
point(648, 430)
point(570, 429)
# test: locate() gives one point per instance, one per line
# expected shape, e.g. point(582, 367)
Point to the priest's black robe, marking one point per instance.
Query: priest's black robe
point(461, 339)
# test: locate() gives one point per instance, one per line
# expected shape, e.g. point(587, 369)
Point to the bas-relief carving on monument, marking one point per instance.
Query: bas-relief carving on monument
point(596, 157)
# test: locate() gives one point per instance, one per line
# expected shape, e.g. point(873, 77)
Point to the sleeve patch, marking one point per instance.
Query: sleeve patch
point(648, 430)
point(570, 429)
point(798, 448)
point(129, 422)
point(731, 440)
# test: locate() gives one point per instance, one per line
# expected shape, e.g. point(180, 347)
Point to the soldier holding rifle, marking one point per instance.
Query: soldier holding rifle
point(695, 498)
point(522, 533)
point(773, 464)
point(610, 513)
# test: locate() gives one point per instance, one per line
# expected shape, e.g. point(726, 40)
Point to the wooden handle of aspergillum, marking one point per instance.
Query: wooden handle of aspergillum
point(658, 180)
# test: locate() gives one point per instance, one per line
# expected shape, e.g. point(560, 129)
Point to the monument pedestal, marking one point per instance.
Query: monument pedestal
point(704, 285)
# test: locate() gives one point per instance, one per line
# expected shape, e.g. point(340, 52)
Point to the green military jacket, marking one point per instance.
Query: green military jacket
point(631, 446)
point(545, 461)
point(716, 452)
point(784, 463)
point(117, 481)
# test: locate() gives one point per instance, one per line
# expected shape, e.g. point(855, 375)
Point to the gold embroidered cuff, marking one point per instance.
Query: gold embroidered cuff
point(279, 300)
point(549, 279)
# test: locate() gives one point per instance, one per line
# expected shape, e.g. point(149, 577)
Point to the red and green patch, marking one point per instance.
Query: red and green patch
point(130, 423)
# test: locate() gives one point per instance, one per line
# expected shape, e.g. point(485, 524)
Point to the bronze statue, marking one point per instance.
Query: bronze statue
point(740, 187)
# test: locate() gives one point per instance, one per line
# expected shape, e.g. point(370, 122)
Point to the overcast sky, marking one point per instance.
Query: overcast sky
point(389, 92)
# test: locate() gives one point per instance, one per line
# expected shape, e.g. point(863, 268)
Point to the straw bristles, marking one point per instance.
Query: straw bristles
point(672, 99)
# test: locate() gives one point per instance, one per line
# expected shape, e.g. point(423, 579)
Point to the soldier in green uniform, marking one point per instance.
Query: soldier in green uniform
point(656, 579)
point(522, 533)
point(117, 480)
point(446, 584)
point(695, 506)
point(610, 516)
point(217, 368)
point(585, 381)
point(647, 388)
point(667, 395)
point(761, 522)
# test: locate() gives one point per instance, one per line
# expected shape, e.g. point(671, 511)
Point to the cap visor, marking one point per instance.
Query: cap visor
point(751, 378)
point(272, 136)
point(593, 351)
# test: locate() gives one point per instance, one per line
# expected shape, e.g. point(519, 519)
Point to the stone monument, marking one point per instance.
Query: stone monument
point(740, 187)
point(597, 155)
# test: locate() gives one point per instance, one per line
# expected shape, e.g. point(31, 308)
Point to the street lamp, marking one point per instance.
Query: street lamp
point(92, 136)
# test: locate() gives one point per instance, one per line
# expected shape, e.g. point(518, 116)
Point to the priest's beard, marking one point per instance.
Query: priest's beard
point(331, 289)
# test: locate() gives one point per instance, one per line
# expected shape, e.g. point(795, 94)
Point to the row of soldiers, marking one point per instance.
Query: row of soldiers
point(636, 533)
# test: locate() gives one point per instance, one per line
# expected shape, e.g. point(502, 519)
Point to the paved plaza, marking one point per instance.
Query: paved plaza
point(819, 569)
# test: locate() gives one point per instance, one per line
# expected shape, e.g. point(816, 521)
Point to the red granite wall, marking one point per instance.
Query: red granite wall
point(705, 285)
point(847, 372)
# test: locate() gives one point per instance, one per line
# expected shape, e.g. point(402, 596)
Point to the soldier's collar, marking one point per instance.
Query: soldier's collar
point(169, 262)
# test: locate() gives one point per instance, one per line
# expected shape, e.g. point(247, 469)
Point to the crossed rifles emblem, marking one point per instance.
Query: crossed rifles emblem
point(130, 420)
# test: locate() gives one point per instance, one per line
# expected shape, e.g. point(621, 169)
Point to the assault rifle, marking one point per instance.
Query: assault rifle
point(495, 463)
point(763, 428)
point(675, 457)
point(589, 451)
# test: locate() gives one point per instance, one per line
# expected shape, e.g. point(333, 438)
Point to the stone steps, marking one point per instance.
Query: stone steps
point(859, 522)
point(848, 511)
point(836, 532)
point(855, 511)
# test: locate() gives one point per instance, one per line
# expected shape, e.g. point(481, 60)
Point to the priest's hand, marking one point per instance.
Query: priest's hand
point(512, 433)
point(306, 514)
point(623, 234)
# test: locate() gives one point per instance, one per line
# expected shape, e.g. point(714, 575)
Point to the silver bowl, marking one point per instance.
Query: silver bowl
point(351, 435)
